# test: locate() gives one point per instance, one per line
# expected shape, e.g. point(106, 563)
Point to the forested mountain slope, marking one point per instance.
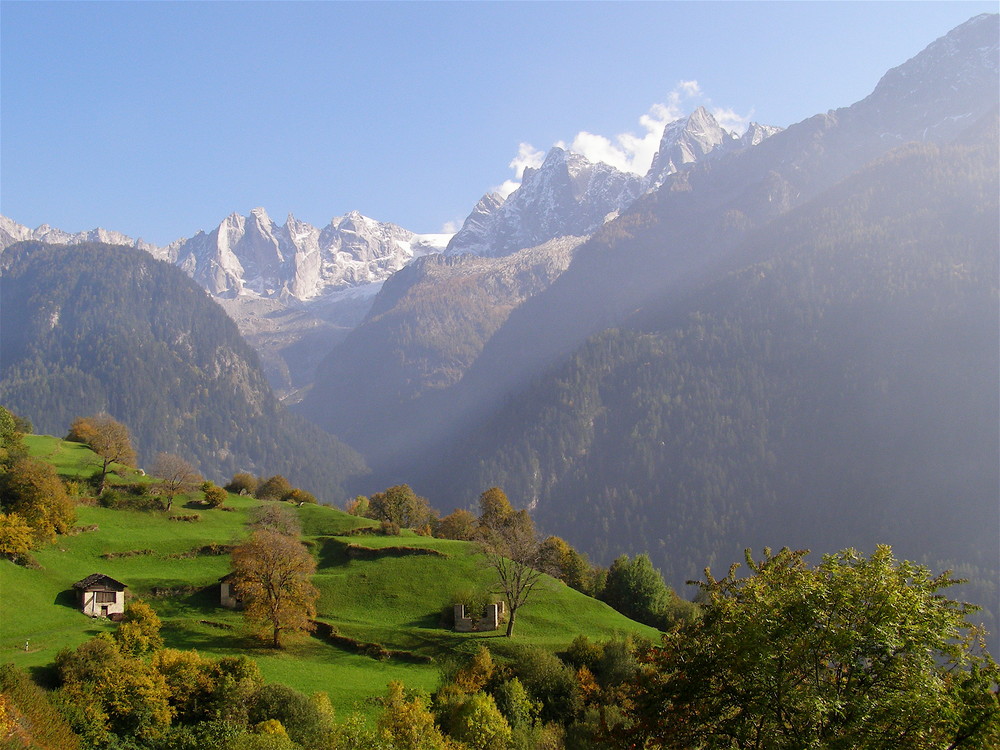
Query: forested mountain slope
point(840, 388)
point(95, 327)
point(690, 232)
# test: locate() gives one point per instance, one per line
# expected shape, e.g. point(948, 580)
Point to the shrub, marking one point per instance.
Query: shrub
point(301, 715)
point(549, 681)
point(215, 496)
point(242, 483)
point(273, 488)
point(299, 497)
point(130, 497)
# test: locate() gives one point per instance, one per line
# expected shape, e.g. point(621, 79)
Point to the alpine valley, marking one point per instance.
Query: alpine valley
point(780, 337)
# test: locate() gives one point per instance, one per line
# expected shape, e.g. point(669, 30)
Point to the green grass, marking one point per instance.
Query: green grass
point(394, 601)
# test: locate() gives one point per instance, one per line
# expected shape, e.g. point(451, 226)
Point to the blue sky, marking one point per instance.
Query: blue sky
point(158, 119)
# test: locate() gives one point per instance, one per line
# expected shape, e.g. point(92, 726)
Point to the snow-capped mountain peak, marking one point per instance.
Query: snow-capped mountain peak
point(252, 256)
point(567, 195)
point(571, 195)
point(696, 137)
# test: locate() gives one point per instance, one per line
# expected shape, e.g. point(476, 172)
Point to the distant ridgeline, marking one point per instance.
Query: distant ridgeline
point(94, 327)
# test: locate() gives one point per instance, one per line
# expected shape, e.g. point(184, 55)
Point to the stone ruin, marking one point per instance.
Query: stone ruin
point(489, 621)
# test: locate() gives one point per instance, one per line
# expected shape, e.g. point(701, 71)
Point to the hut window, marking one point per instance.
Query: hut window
point(105, 597)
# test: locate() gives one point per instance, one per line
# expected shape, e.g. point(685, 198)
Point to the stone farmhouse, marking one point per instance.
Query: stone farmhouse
point(100, 595)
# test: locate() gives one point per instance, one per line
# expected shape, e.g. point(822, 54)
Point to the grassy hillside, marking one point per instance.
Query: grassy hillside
point(394, 601)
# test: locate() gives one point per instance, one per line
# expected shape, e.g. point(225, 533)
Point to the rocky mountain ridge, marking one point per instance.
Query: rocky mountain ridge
point(253, 256)
point(571, 195)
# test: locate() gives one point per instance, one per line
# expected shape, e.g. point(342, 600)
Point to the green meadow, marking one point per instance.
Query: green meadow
point(395, 601)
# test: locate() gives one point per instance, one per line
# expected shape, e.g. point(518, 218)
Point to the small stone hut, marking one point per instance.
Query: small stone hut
point(101, 595)
point(227, 592)
point(489, 621)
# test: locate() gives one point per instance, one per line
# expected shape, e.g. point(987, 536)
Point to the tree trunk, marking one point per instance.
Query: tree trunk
point(510, 623)
point(104, 478)
point(277, 637)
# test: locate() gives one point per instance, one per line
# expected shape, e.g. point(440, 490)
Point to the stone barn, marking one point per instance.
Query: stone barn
point(101, 595)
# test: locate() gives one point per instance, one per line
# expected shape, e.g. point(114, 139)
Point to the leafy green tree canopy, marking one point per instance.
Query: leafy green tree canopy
point(857, 652)
point(11, 437)
point(400, 505)
point(637, 589)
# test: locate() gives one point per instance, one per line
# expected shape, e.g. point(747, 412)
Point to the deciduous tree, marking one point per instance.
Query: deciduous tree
point(510, 543)
point(242, 483)
point(459, 524)
point(113, 693)
point(139, 631)
point(272, 488)
point(276, 518)
point(177, 473)
point(407, 724)
point(11, 438)
point(33, 491)
point(272, 579)
point(15, 536)
point(637, 589)
point(108, 438)
point(400, 505)
point(858, 652)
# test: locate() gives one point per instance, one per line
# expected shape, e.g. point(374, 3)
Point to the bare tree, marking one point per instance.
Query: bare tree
point(177, 474)
point(512, 548)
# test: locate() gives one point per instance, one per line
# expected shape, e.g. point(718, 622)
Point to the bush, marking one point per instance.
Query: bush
point(242, 483)
point(273, 488)
point(301, 715)
point(299, 497)
point(130, 497)
point(215, 496)
point(549, 681)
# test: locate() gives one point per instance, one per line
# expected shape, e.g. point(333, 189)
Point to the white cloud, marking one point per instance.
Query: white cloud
point(505, 188)
point(630, 152)
point(527, 156)
point(689, 88)
point(450, 227)
point(730, 120)
point(634, 153)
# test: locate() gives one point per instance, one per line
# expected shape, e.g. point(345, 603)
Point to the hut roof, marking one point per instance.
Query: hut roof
point(99, 581)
